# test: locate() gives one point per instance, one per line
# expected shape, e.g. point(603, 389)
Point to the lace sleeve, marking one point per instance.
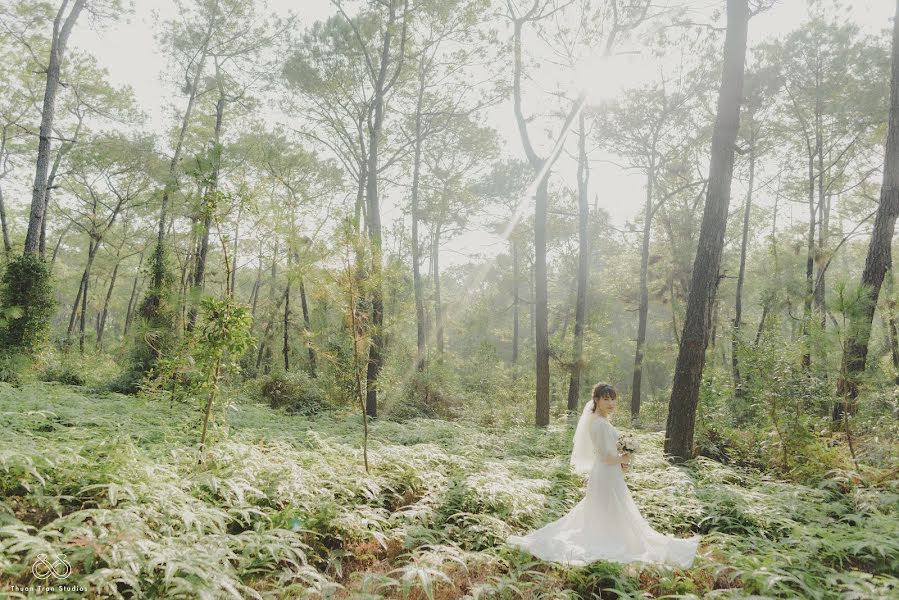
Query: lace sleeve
point(604, 442)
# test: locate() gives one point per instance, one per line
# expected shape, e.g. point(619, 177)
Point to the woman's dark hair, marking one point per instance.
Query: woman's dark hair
point(603, 390)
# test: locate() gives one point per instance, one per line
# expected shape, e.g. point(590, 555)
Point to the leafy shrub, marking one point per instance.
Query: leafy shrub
point(155, 330)
point(425, 394)
point(14, 367)
point(27, 303)
point(730, 446)
point(64, 371)
point(294, 391)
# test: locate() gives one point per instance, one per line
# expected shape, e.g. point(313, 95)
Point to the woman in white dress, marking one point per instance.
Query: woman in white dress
point(605, 524)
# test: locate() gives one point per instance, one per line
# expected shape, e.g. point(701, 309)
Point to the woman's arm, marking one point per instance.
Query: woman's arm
point(608, 449)
point(616, 459)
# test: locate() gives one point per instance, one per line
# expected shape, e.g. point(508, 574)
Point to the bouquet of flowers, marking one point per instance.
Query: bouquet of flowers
point(628, 444)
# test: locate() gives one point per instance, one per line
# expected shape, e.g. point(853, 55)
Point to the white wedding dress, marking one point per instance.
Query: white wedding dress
point(605, 524)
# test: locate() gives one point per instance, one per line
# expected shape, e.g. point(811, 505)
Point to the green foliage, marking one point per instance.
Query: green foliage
point(14, 367)
point(156, 330)
point(112, 483)
point(72, 368)
point(27, 304)
point(222, 336)
point(431, 393)
point(295, 391)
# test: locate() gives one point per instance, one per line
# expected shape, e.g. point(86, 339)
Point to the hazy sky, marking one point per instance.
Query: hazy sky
point(130, 53)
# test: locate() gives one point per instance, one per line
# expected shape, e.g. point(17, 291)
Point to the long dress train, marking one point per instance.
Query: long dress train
point(605, 524)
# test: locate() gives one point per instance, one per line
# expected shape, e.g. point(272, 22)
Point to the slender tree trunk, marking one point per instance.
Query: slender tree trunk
point(741, 276)
point(254, 295)
point(541, 313)
point(580, 305)
point(200, 268)
point(58, 244)
point(704, 282)
point(307, 324)
point(285, 346)
point(822, 233)
point(674, 328)
point(82, 287)
point(421, 334)
point(82, 322)
point(541, 308)
point(76, 305)
point(761, 328)
point(7, 245)
point(62, 28)
point(894, 342)
point(51, 179)
point(266, 343)
point(381, 87)
point(129, 314)
point(103, 314)
point(516, 303)
point(879, 258)
point(171, 185)
point(235, 248)
point(644, 289)
point(438, 302)
point(809, 264)
point(532, 321)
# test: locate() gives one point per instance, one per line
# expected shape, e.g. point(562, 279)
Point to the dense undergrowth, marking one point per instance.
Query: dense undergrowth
point(283, 508)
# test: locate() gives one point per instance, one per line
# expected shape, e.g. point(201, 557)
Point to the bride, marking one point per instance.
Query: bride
point(605, 524)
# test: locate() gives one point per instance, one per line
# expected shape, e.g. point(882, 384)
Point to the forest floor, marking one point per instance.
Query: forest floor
point(283, 508)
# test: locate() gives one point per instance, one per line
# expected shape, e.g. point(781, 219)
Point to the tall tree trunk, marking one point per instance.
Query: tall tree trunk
point(4, 135)
point(7, 245)
point(809, 264)
point(307, 324)
point(82, 321)
point(822, 233)
point(171, 184)
point(51, 179)
point(129, 314)
point(380, 89)
point(421, 334)
point(285, 346)
point(580, 305)
point(235, 248)
point(200, 268)
point(266, 343)
point(674, 327)
point(532, 321)
point(644, 289)
point(704, 282)
point(541, 312)
point(58, 244)
point(76, 305)
point(62, 28)
point(541, 308)
point(894, 342)
point(103, 314)
point(82, 287)
point(516, 303)
point(438, 302)
point(879, 258)
point(254, 295)
point(741, 275)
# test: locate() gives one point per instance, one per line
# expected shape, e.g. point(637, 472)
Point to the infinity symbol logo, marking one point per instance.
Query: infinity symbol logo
point(60, 568)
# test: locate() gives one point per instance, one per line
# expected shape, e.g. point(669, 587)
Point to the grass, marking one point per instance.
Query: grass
point(282, 508)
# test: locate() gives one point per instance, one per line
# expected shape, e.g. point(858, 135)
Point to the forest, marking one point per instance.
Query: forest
point(304, 299)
